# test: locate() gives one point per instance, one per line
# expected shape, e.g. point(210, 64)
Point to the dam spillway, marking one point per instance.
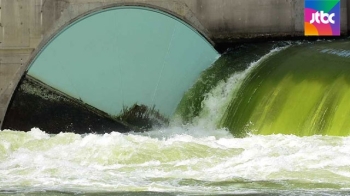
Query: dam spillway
point(265, 119)
point(199, 156)
point(302, 90)
point(298, 88)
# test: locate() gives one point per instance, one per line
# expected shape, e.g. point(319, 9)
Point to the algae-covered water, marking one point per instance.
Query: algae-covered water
point(265, 119)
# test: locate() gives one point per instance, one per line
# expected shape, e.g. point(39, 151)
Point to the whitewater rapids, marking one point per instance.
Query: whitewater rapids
point(179, 159)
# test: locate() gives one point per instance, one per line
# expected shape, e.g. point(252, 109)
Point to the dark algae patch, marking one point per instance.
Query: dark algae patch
point(35, 104)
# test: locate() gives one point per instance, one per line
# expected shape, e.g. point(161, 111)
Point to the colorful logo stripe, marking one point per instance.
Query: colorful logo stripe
point(322, 18)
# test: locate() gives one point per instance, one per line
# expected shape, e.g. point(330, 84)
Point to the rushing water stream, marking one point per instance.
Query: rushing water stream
point(265, 119)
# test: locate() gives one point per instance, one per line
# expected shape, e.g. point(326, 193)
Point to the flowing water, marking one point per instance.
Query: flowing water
point(264, 119)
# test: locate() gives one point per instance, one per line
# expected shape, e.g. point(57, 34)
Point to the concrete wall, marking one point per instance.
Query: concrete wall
point(24, 24)
point(220, 20)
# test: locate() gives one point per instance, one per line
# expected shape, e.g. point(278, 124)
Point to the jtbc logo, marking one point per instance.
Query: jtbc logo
point(316, 17)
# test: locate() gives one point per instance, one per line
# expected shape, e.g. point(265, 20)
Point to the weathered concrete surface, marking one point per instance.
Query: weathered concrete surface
point(25, 25)
point(11, 71)
point(220, 20)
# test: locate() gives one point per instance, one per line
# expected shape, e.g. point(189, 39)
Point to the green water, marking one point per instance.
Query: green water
point(302, 90)
point(299, 88)
point(234, 60)
point(266, 119)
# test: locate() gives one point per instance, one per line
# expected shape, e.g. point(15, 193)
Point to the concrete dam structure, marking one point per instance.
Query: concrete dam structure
point(115, 55)
point(178, 97)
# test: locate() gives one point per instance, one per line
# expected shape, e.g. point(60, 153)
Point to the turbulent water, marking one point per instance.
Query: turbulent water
point(296, 88)
point(202, 152)
point(302, 90)
point(176, 160)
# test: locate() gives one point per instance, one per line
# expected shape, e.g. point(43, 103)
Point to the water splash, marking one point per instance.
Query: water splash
point(67, 162)
point(301, 90)
point(191, 159)
point(218, 99)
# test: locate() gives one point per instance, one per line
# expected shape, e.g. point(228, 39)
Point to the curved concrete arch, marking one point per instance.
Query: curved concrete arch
point(192, 23)
point(152, 78)
point(186, 16)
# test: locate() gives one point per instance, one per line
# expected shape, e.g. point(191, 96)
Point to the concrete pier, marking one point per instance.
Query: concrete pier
point(26, 25)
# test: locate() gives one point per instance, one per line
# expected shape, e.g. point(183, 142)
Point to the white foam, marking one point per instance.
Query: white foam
point(129, 162)
point(338, 52)
point(195, 158)
point(217, 100)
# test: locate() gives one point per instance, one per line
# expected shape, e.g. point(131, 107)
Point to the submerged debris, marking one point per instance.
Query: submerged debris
point(142, 118)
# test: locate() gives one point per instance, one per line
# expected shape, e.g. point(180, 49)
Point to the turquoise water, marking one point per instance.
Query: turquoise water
point(121, 56)
point(200, 153)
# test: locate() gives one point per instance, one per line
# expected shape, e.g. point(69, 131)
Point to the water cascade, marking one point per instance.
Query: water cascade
point(265, 119)
point(299, 89)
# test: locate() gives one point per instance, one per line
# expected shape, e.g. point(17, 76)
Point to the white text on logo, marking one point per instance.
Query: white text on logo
point(324, 17)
